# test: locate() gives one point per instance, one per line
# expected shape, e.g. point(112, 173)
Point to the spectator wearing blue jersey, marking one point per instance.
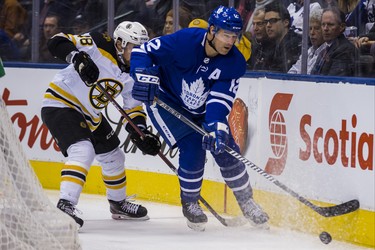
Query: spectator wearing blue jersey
point(199, 71)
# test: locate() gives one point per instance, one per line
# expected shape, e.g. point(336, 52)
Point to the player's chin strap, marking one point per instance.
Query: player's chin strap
point(120, 53)
point(211, 43)
point(123, 66)
point(120, 57)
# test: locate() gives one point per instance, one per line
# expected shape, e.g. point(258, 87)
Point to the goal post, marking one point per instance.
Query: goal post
point(28, 220)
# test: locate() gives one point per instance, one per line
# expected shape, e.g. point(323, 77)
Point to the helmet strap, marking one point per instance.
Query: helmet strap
point(120, 52)
point(212, 44)
point(210, 41)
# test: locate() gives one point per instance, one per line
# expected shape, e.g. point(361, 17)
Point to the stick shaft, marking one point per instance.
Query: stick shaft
point(222, 220)
point(344, 208)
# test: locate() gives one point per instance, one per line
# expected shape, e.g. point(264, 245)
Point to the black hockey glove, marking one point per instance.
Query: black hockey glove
point(149, 145)
point(86, 68)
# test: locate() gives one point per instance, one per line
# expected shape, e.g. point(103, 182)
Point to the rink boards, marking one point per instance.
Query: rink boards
point(316, 138)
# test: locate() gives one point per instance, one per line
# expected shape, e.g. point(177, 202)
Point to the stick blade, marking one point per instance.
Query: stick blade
point(236, 221)
point(344, 208)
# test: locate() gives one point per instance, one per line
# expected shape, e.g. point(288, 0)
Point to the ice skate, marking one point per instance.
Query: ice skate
point(126, 210)
point(196, 219)
point(255, 214)
point(68, 208)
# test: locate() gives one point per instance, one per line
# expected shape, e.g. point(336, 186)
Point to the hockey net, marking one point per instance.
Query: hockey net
point(28, 220)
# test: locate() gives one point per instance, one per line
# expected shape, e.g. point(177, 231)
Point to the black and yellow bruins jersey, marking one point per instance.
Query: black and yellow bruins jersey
point(68, 90)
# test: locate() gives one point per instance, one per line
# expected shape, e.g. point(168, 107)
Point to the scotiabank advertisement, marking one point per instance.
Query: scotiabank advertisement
point(316, 138)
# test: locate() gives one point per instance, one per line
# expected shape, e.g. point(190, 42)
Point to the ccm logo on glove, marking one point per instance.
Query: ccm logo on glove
point(147, 78)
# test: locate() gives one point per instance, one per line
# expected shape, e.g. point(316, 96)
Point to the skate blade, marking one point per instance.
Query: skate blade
point(199, 227)
point(126, 217)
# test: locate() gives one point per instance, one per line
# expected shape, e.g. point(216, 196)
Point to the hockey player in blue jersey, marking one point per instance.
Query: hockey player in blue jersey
point(199, 73)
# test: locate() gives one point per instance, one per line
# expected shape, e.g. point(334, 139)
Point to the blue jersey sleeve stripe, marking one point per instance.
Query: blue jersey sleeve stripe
point(222, 95)
point(217, 101)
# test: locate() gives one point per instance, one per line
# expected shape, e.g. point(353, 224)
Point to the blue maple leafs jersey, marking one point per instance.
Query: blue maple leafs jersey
point(188, 77)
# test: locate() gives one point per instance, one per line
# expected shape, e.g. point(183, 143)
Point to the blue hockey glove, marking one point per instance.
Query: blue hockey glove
point(218, 137)
point(146, 85)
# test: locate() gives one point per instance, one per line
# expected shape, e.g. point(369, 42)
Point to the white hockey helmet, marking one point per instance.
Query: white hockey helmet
point(130, 32)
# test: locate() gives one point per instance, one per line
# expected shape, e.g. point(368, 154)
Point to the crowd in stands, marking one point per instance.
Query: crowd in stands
point(341, 32)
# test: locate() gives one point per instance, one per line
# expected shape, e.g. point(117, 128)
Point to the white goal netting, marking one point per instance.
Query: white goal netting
point(28, 220)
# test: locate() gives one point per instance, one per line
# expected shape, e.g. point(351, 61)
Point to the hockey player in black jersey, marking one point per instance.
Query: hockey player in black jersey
point(72, 108)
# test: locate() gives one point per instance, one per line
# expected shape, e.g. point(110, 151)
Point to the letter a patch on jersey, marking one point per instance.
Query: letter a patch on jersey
point(215, 74)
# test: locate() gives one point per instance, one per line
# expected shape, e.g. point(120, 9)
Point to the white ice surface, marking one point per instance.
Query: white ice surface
point(167, 230)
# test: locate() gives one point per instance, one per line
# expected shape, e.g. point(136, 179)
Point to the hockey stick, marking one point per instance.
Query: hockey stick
point(344, 208)
point(232, 222)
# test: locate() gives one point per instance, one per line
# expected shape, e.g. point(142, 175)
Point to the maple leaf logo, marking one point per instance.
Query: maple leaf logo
point(193, 96)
